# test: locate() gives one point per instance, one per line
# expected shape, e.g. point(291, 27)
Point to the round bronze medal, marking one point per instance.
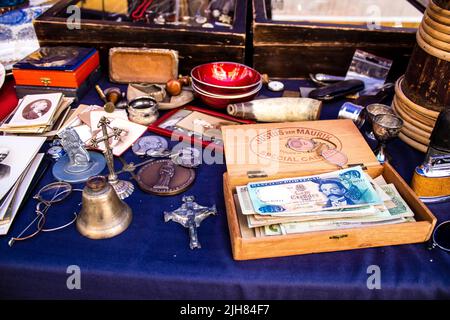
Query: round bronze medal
point(164, 178)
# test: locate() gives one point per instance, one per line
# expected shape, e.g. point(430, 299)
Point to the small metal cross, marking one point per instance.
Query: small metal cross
point(123, 188)
point(116, 132)
point(190, 215)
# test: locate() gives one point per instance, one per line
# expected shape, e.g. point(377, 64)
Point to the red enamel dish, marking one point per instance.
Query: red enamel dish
point(222, 101)
point(222, 78)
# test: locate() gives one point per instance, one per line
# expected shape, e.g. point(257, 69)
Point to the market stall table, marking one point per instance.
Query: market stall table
point(152, 259)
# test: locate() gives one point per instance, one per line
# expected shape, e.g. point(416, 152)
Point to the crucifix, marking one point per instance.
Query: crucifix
point(190, 215)
point(123, 188)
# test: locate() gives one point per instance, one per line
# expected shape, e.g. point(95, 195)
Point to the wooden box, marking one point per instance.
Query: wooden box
point(36, 72)
point(293, 49)
point(246, 162)
point(196, 45)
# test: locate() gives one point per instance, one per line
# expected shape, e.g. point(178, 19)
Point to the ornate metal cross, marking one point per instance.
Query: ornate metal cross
point(190, 215)
point(123, 188)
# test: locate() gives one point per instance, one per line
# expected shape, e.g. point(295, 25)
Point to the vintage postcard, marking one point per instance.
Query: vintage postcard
point(44, 130)
point(204, 124)
point(36, 110)
point(131, 132)
point(84, 132)
point(96, 115)
point(79, 116)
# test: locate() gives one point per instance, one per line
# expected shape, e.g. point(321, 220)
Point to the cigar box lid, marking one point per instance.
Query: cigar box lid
point(285, 149)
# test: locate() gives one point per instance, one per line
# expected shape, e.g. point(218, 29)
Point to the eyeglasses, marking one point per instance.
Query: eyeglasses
point(441, 237)
point(50, 194)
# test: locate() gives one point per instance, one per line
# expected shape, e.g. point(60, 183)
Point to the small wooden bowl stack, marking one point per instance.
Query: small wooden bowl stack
point(424, 91)
point(418, 121)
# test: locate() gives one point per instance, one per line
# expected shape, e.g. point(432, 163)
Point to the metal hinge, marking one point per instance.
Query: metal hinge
point(357, 164)
point(46, 81)
point(256, 174)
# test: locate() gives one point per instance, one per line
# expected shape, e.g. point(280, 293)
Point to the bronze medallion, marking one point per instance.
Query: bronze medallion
point(164, 178)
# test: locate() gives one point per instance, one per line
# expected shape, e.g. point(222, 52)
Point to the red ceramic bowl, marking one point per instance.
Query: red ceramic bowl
point(224, 91)
point(226, 96)
point(225, 78)
point(221, 102)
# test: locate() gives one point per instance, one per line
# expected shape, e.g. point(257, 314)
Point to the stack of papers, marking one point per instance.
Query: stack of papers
point(38, 115)
point(19, 160)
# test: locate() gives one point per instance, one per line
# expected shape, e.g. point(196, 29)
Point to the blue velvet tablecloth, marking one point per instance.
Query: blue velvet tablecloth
point(152, 259)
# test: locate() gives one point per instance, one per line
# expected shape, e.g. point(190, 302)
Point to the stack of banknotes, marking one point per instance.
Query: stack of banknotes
point(347, 198)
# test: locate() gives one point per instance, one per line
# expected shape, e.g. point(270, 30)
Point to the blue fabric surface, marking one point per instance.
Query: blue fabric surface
point(152, 259)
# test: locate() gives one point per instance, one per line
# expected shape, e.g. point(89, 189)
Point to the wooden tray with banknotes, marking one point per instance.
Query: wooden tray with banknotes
point(263, 153)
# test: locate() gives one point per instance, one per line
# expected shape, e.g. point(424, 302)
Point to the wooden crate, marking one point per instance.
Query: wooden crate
point(195, 45)
point(294, 49)
point(252, 148)
point(246, 246)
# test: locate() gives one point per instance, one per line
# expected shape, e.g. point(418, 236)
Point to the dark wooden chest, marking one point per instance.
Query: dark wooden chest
point(293, 49)
point(103, 28)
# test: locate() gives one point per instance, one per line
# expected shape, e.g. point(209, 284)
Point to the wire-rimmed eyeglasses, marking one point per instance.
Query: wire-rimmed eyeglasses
point(50, 194)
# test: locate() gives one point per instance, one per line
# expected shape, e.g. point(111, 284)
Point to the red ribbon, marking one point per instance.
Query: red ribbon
point(140, 10)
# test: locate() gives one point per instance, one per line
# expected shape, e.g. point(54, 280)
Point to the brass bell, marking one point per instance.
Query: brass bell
point(103, 215)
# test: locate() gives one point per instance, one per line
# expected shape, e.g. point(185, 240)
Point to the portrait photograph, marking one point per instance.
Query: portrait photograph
point(336, 193)
point(36, 109)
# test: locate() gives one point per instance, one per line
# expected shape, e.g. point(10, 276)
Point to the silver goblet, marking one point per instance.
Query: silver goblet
point(385, 128)
point(373, 110)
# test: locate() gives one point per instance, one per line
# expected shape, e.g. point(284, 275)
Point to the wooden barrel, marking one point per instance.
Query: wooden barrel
point(441, 5)
point(427, 78)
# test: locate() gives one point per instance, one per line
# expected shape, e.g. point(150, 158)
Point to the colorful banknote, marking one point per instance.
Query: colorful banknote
point(398, 212)
point(396, 206)
point(341, 189)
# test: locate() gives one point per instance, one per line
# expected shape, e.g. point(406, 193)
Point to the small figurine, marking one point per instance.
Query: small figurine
point(190, 215)
point(78, 155)
point(166, 173)
point(78, 164)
